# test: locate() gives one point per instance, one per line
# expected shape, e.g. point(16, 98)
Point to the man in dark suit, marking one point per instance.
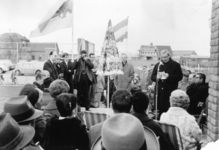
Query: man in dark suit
point(198, 94)
point(66, 69)
point(84, 78)
point(167, 73)
point(50, 65)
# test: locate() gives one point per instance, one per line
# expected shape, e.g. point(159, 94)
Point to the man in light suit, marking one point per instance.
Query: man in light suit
point(83, 79)
point(50, 65)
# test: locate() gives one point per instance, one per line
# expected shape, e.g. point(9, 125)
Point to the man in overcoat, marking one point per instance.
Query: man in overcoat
point(83, 79)
point(168, 73)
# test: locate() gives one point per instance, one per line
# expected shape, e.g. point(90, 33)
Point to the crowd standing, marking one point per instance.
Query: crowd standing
point(73, 84)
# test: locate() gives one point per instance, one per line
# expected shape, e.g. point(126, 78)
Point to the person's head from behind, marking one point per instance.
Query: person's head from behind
point(191, 78)
point(121, 101)
point(13, 136)
point(200, 78)
point(31, 92)
point(179, 98)
point(39, 78)
point(140, 102)
point(53, 55)
point(165, 55)
point(67, 105)
point(57, 87)
point(122, 132)
point(92, 57)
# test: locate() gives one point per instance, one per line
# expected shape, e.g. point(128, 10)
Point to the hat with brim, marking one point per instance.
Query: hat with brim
point(125, 132)
point(150, 137)
point(15, 136)
point(21, 109)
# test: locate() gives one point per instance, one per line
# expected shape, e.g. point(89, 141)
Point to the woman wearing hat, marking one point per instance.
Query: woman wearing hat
point(178, 116)
point(15, 137)
point(66, 132)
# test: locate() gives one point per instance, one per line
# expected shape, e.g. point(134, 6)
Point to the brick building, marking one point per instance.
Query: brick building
point(151, 52)
point(12, 44)
point(213, 104)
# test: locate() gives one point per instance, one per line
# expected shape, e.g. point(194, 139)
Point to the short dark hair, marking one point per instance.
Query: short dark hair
point(121, 101)
point(31, 92)
point(91, 54)
point(64, 54)
point(39, 76)
point(140, 102)
point(189, 71)
point(51, 53)
point(37, 71)
point(202, 76)
point(83, 52)
point(65, 103)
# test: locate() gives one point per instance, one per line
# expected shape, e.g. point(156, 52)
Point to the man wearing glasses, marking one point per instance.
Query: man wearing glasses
point(166, 73)
point(199, 96)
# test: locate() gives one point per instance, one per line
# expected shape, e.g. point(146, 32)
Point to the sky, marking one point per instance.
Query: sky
point(181, 24)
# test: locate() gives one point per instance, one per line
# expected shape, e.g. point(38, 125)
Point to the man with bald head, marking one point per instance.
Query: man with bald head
point(167, 73)
point(123, 81)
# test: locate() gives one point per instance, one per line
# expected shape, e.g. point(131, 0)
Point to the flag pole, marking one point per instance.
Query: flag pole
point(127, 37)
point(72, 51)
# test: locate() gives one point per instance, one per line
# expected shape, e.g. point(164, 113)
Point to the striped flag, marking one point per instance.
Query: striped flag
point(121, 30)
point(58, 17)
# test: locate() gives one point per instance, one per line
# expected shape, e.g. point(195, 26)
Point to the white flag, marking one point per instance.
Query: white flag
point(121, 30)
point(58, 17)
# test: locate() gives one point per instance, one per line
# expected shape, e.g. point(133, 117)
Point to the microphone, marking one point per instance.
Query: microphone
point(158, 68)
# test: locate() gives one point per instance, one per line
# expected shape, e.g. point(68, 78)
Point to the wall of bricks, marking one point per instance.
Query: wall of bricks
point(213, 104)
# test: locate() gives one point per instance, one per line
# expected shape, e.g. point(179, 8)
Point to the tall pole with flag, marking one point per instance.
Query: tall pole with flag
point(72, 51)
point(59, 16)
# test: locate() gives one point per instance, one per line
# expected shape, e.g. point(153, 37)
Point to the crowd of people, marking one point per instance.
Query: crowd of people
point(31, 124)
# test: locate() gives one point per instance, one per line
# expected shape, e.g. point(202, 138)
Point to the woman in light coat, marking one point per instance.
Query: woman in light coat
point(178, 116)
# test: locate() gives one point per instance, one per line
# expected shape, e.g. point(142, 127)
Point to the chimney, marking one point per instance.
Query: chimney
point(151, 45)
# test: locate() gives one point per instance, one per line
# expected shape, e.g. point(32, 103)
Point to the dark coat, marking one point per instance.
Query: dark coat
point(65, 134)
point(77, 65)
point(51, 68)
point(165, 87)
point(38, 86)
point(151, 124)
point(67, 71)
point(197, 93)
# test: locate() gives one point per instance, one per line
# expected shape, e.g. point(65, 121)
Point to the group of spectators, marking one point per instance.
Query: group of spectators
point(60, 127)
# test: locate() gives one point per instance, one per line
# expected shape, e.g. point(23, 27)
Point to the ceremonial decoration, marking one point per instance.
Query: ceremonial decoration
point(109, 62)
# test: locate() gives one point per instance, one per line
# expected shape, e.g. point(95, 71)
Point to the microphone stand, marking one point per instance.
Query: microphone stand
point(156, 98)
